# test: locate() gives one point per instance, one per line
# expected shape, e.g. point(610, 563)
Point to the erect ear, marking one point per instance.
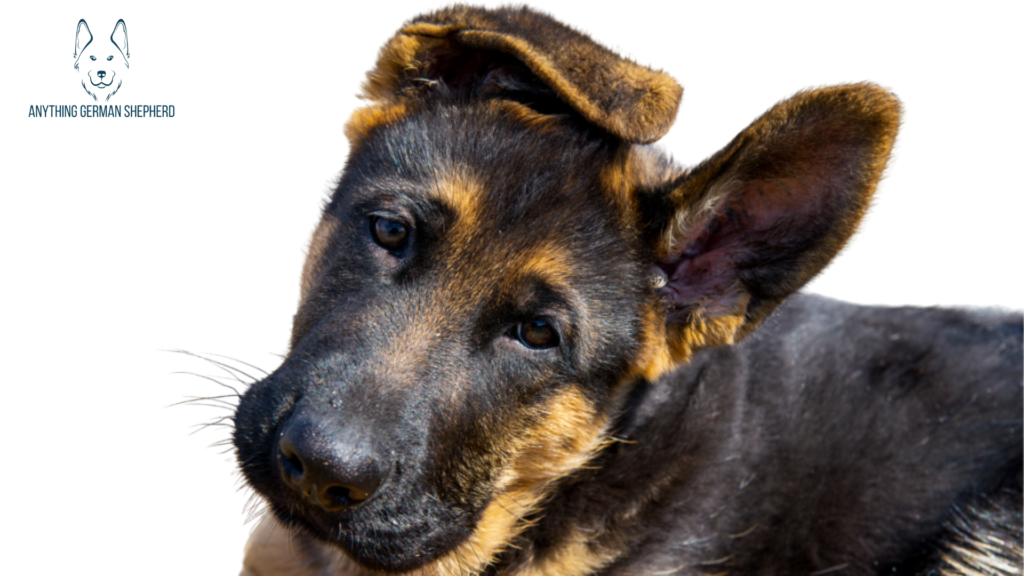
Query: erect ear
point(522, 55)
point(82, 39)
point(756, 221)
point(120, 39)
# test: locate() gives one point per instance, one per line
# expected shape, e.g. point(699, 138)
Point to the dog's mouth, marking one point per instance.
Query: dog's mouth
point(403, 533)
point(101, 83)
point(321, 475)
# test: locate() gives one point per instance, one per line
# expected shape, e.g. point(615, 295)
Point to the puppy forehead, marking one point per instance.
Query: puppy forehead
point(487, 165)
point(499, 196)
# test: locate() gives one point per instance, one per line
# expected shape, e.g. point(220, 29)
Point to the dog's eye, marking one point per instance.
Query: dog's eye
point(392, 235)
point(92, 57)
point(110, 57)
point(537, 334)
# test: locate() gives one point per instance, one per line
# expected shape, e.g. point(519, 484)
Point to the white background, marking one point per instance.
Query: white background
point(124, 237)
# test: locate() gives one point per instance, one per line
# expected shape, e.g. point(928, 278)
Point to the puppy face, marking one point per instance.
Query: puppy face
point(101, 63)
point(463, 338)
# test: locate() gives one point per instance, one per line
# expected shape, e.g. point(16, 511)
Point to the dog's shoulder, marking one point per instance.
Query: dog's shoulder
point(815, 440)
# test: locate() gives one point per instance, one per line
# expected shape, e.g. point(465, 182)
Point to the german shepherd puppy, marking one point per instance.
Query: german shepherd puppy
point(518, 347)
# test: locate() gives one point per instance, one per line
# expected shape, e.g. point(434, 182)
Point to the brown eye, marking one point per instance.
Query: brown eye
point(392, 235)
point(538, 334)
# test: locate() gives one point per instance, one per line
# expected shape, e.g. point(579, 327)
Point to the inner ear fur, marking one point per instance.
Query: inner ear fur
point(465, 48)
point(756, 221)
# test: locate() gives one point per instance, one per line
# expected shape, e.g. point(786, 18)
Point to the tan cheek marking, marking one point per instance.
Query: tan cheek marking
point(655, 357)
point(665, 346)
point(577, 555)
point(367, 119)
point(568, 435)
point(707, 328)
point(316, 252)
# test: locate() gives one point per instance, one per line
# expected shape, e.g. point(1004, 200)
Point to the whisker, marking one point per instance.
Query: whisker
point(227, 368)
point(261, 370)
point(217, 400)
point(219, 423)
point(215, 381)
point(212, 424)
point(217, 406)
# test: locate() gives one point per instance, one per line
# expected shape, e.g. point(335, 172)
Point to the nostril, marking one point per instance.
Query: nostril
point(338, 496)
point(292, 465)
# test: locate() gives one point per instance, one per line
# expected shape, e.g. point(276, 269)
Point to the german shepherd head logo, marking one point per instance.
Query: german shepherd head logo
point(101, 65)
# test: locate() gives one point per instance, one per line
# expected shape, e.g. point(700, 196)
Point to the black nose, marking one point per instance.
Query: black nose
point(329, 463)
point(101, 74)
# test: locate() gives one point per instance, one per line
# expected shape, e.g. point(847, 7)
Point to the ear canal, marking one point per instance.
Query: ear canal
point(83, 36)
point(463, 46)
point(759, 219)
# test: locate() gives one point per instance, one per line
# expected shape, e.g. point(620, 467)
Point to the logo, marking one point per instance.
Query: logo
point(102, 64)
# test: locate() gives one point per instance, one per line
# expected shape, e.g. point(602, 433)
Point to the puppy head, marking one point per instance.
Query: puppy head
point(502, 261)
point(101, 64)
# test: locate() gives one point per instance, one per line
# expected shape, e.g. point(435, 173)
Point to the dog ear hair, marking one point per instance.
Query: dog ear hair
point(81, 41)
point(755, 222)
point(514, 52)
point(120, 39)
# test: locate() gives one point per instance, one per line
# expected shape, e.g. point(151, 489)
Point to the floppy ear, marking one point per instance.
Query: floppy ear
point(756, 221)
point(120, 39)
point(82, 39)
point(522, 55)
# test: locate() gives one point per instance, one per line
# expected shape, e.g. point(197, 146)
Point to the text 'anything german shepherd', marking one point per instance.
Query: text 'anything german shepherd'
point(517, 352)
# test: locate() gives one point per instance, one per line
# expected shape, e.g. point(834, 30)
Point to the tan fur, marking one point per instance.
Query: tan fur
point(568, 433)
point(635, 168)
point(368, 118)
point(655, 357)
point(462, 193)
point(635, 104)
point(549, 262)
point(577, 555)
point(704, 331)
point(315, 253)
point(524, 114)
point(631, 101)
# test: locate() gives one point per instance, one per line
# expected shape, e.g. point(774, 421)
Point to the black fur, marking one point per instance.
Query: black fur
point(470, 393)
point(836, 435)
point(410, 411)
